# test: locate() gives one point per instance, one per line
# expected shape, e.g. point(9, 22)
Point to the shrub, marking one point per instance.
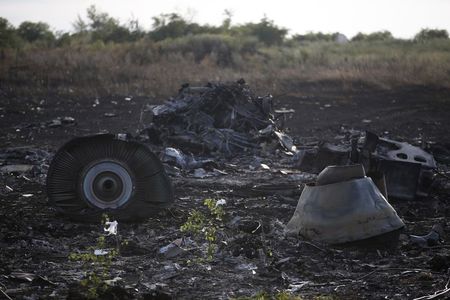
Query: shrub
point(374, 36)
point(32, 32)
point(430, 34)
point(203, 45)
point(265, 31)
point(315, 37)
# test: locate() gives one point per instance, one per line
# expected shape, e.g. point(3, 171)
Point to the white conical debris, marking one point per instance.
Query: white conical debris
point(338, 212)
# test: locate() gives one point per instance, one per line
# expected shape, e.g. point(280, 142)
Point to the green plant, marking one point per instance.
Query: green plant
point(205, 227)
point(283, 295)
point(97, 265)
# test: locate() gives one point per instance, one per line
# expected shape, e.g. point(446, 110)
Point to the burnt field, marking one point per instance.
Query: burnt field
point(252, 257)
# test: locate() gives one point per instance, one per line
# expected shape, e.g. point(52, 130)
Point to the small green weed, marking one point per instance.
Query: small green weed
point(97, 267)
point(205, 227)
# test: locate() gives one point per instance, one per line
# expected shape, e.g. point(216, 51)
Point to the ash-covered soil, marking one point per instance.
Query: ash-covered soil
point(253, 255)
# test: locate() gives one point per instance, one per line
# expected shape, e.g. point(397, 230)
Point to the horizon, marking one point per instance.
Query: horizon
point(402, 18)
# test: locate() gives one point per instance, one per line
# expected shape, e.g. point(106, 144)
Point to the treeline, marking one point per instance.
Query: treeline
point(103, 56)
point(99, 27)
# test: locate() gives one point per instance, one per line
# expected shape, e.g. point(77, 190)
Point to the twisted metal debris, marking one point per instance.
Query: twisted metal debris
point(224, 118)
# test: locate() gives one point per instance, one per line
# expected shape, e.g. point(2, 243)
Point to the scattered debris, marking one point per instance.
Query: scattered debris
point(264, 189)
point(114, 281)
point(431, 239)
point(258, 189)
point(186, 162)
point(221, 202)
point(101, 252)
point(324, 155)
point(61, 121)
point(407, 170)
point(200, 173)
point(29, 277)
point(247, 267)
point(265, 167)
point(25, 162)
point(176, 247)
point(112, 227)
point(175, 156)
point(16, 168)
point(437, 293)
point(286, 141)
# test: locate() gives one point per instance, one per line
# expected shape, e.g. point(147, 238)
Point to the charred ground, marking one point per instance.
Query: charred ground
point(37, 241)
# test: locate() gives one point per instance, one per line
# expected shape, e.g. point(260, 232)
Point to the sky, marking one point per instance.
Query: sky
point(403, 18)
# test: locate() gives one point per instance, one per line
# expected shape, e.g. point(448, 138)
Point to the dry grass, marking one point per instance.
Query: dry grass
point(146, 68)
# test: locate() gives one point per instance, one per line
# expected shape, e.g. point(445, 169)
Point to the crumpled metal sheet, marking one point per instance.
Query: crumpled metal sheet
point(408, 169)
point(398, 151)
point(325, 154)
point(342, 212)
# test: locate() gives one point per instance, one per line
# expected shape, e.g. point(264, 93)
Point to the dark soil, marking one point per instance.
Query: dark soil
point(254, 256)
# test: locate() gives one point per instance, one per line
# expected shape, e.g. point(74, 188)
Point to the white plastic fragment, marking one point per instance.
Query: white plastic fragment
point(114, 281)
point(175, 155)
point(121, 136)
point(221, 202)
point(100, 252)
point(112, 227)
point(295, 287)
point(265, 167)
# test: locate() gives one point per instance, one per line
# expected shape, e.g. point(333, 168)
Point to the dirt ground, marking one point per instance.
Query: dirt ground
point(254, 256)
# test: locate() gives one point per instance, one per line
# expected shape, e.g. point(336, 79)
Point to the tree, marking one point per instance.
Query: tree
point(226, 23)
point(103, 27)
point(266, 31)
point(32, 32)
point(430, 34)
point(135, 29)
point(79, 25)
point(8, 35)
point(168, 26)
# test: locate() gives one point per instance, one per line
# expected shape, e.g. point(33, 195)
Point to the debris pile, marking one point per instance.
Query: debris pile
point(406, 170)
point(225, 118)
point(28, 162)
